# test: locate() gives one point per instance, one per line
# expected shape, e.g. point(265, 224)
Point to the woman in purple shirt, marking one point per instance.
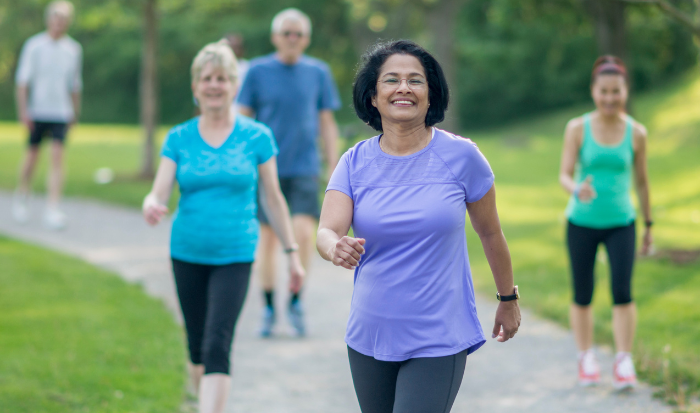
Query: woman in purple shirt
point(406, 193)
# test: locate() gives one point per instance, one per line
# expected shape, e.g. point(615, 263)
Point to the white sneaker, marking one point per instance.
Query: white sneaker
point(54, 219)
point(624, 375)
point(20, 207)
point(588, 369)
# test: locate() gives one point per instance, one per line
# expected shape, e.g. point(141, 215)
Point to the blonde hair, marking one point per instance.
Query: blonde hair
point(291, 14)
point(62, 7)
point(220, 55)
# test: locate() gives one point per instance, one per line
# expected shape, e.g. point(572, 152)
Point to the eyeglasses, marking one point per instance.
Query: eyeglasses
point(289, 33)
point(394, 83)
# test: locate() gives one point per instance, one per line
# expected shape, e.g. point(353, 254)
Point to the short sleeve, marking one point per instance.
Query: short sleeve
point(265, 147)
point(329, 99)
point(24, 67)
point(170, 149)
point(340, 180)
point(475, 173)
point(247, 96)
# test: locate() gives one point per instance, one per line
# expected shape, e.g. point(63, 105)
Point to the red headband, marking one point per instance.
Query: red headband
point(610, 66)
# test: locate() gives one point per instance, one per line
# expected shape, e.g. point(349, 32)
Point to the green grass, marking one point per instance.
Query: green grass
point(525, 158)
point(89, 147)
point(78, 339)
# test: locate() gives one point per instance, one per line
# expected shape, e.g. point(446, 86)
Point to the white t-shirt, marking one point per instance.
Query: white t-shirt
point(52, 70)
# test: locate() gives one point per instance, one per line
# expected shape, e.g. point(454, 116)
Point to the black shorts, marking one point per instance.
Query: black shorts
point(57, 129)
point(301, 193)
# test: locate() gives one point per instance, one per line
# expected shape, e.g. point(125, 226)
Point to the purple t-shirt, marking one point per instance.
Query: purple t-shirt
point(413, 294)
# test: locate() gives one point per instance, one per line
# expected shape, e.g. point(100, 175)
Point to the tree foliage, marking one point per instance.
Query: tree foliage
point(519, 57)
point(512, 57)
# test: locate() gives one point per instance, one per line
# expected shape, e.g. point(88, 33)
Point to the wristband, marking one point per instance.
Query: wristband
point(291, 249)
point(515, 296)
point(648, 223)
point(577, 189)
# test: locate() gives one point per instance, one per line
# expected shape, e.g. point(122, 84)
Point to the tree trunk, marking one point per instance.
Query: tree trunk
point(609, 22)
point(441, 18)
point(148, 87)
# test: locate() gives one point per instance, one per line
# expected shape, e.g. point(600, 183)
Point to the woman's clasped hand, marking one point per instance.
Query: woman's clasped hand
point(347, 252)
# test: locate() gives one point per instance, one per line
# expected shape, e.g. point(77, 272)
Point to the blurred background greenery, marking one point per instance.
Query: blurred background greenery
point(509, 58)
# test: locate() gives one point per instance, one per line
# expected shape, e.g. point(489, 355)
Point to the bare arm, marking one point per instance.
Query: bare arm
point(484, 219)
point(332, 241)
point(329, 138)
point(246, 111)
point(21, 93)
point(573, 136)
point(154, 205)
point(569, 155)
point(76, 99)
point(277, 211)
point(641, 180)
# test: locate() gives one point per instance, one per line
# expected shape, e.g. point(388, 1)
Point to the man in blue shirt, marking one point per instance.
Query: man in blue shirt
point(294, 95)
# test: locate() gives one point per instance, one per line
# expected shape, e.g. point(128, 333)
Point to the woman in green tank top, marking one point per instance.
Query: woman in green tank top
point(604, 152)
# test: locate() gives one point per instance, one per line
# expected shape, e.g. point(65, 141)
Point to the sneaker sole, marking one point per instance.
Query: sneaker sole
point(624, 385)
point(588, 382)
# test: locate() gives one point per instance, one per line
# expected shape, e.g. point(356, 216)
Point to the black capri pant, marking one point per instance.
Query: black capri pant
point(211, 298)
point(583, 245)
point(419, 385)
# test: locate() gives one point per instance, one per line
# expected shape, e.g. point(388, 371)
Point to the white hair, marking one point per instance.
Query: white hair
point(61, 7)
point(218, 54)
point(291, 14)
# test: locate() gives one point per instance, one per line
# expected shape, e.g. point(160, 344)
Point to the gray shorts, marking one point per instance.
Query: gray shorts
point(301, 193)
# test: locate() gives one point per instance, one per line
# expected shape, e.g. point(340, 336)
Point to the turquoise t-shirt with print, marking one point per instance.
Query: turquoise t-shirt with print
point(216, 220)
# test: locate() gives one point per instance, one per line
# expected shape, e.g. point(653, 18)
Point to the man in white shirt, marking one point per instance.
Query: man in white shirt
point(48, 95)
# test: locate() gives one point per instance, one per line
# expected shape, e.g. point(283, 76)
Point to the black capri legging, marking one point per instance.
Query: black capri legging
point(583, 245)
point(419, 385)
point(211, 298)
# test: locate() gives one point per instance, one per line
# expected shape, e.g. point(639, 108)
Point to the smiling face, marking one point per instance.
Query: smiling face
point(214, 89)
point(291, 40)
point(402, 90)
point(609, 92)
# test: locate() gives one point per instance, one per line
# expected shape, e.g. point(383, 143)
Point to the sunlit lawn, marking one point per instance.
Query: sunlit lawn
point(78, 339)
point(89, 147)
point(525, 158)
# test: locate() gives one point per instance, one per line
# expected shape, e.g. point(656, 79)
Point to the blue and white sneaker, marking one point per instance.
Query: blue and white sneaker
point(268, 322)
point(296, 318)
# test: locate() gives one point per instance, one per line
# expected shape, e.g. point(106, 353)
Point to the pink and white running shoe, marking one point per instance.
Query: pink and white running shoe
point(588, 369)
point(624, 375)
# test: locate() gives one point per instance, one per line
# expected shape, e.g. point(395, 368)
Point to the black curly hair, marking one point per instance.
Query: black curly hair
point(365, 85)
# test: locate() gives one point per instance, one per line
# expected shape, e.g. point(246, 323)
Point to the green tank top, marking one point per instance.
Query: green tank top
point(610, 167)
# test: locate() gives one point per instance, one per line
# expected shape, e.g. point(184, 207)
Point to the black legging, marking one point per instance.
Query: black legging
point(419, 385)
point(211, 298)
point(583, 245)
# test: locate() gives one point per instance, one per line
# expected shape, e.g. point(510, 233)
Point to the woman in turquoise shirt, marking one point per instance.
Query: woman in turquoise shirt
point(604, 151)
point(217, 159)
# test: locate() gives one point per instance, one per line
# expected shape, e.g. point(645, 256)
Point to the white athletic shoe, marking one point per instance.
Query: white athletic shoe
point(588, 369)
point(20, 207)
point(54, 219)
point(624, 375)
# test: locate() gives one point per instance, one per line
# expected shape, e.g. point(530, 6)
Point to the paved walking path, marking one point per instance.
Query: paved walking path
point(535, 372)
